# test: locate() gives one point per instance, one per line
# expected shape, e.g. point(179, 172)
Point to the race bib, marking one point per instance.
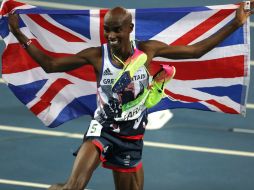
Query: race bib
point(94, 129)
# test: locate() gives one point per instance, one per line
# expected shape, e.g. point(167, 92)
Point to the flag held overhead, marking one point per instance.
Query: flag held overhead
point(218, 81)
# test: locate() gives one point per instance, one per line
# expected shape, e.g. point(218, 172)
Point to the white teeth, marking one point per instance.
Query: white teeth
point(113, 42)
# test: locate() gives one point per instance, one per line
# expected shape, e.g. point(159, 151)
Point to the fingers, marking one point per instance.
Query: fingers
point(241, 10)
point(12, 11)
point(242, 7)
point(247, 9)
point(13, 17)
point(252, 4)
point(13, 22)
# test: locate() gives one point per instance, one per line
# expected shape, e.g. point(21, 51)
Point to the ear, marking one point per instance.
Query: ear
point(131, 26)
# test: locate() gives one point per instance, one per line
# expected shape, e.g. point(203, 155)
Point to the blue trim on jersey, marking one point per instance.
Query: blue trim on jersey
point(102, 65)
point(26, 93)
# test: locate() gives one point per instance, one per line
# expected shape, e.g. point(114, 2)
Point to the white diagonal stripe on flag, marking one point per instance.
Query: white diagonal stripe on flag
point(214, 29)
point(216, 53)
point(164, 35)
point(46, 38)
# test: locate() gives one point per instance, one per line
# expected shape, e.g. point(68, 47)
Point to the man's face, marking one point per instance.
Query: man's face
point(117, 32)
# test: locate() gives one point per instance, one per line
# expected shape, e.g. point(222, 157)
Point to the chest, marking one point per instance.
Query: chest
point(109, 73)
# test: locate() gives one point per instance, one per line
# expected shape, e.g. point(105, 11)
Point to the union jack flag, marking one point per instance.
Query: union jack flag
point(218, 81)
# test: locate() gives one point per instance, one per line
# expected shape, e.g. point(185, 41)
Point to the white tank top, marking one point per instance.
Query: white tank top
point(108, 103)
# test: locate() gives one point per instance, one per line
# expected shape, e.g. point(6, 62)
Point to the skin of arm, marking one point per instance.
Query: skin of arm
point(159, 49)
point(50, 64)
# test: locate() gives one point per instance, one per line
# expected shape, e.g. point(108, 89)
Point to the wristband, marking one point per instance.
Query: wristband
point(25, 45)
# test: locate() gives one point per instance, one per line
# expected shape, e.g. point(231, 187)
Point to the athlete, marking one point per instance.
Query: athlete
point(115, 135)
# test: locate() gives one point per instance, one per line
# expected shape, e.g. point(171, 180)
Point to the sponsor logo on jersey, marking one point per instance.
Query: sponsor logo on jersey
point(115, 127)
point(107, 72)
point(108, 81)
point(138, 77)
point(127, 160)
point(105, 149)
point(133, 113)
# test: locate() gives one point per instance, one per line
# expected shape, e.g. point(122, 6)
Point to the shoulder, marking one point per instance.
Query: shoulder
point(91, 52)
point(92, 55)
point(150, 44)
point(150, 47)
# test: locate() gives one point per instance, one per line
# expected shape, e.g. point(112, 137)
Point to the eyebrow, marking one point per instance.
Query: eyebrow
point(112, 27)
point(107, 25)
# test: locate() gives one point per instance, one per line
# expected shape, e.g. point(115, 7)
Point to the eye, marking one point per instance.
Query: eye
point(106, 29)
point(117, 29)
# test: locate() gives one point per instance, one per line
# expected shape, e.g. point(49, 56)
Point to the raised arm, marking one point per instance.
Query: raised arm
point(159, 49)
point(50, 64)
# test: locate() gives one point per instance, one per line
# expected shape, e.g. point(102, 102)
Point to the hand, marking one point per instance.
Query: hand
point(13, 23)
point(242, 14)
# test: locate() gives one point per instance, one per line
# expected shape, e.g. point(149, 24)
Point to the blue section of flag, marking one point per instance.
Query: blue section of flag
point(234, 39)
point(4, 27)
point(52, 11)
point(231, 91)
point(84, 105)
point(147, 24)
point(169, 104)
point(26, 93)
point(77, 23)
point(173, 9)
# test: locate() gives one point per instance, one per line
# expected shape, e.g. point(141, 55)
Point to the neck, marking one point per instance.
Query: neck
point(122, 53)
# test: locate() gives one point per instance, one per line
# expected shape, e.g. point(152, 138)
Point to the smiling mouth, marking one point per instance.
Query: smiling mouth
point(113, 42)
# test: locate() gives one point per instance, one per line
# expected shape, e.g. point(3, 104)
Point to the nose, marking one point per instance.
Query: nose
point(111, 35)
